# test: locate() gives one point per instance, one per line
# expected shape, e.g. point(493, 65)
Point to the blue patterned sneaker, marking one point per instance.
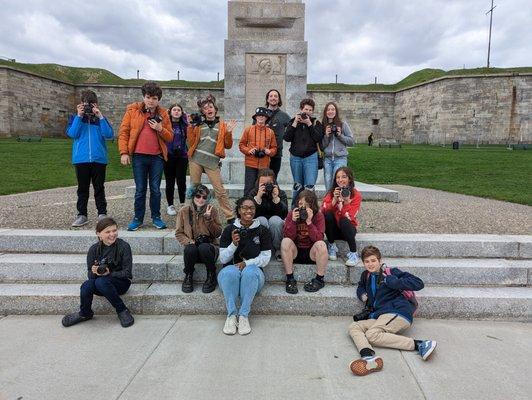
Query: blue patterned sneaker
point(159, 223)
point(426, 348)
point(134, 224)
point(352, 259)
point(332, 249)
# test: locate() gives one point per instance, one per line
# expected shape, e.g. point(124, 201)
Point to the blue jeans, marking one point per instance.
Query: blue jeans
point(109, 287)
point(330, 166)
point(304, 173)
point(147, 168)
point(246, 283)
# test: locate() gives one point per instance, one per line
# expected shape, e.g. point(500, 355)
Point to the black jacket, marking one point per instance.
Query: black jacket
point(304, 138)
point(117, 257)
point(268, 208)
point(278, 123)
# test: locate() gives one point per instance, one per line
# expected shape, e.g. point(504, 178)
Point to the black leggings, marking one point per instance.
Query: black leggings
point(205, 253)
point(344, 230)
point(175, 170)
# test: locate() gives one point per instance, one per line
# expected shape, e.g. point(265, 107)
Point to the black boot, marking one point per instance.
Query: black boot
point(210, 282)
point(188, 285)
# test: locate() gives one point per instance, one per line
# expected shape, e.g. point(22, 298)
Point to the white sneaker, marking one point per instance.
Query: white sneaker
point(170, 210)
point(332, 249)
point(243, 325)
point(230, 325)
point(352, 259)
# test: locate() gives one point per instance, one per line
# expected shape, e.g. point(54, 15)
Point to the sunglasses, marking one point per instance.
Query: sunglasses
point(199, 196)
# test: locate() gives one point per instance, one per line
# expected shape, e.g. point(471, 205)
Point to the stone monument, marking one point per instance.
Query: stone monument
point(265, 49)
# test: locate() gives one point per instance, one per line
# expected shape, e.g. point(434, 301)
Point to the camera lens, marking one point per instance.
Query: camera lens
point(345, 192)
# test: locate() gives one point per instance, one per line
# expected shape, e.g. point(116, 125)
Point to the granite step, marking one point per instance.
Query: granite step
point(391, 244)
point(66, 268)
point(510, 304)
point(236, 190)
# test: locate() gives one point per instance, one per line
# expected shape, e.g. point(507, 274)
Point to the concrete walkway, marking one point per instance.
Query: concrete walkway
point(188, 357)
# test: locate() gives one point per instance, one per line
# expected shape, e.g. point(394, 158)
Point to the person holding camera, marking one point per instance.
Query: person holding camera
point(337, 137)
point(257, 144)
point(278, 122)
point(340, 207)
point(142, 138)
point(272, 207)
point(390, 305)
point(109, 272)
point(175, 167)
point(303, 242)
point(245, 248)
point(304, 137)
point(197, 230)
point(208, 136)
point(89, 129)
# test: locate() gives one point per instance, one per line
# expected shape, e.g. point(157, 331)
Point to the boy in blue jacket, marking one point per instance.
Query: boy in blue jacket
point(387, 313)
point(89, 129)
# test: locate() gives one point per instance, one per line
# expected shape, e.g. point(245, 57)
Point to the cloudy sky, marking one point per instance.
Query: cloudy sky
point(357, 39)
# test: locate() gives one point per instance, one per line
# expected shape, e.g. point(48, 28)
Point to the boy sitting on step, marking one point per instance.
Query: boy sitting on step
point(388, 311)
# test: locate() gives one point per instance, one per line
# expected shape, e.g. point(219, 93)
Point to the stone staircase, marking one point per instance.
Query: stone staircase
point(466, 276)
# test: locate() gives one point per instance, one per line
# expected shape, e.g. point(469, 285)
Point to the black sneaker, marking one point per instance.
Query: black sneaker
point(188, 284)
point(126, 319)
point(314, 285)
point(210, 283)
point(291, 286)
point(73, 319)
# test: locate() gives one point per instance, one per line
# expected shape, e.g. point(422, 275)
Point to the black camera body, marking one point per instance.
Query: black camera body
point(87, 109)
point(243, 232)
point(334, 129)
point(156, 118)
point(363, 315)
point(260, 153)
point(303, 214)
point(202, 239)
point(196, 119)
point(303, 115)
point(102, 266)
point(345, 191)
point(268, 189)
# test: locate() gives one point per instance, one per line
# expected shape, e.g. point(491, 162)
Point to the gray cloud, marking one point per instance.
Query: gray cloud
point(356, 40)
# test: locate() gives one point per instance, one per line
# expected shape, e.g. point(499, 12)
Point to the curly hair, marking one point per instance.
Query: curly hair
point(307, 102)
point(202, 102)
point(311, 199)
point(240, 201)
point(278, 94)
point(152, 89)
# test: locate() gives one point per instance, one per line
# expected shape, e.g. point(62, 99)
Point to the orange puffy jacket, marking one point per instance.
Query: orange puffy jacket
point(132, 124)
point(260, 137)
point(224, 141)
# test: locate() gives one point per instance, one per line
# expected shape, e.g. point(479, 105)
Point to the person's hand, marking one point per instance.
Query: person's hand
point(364, 297)
point(241, 265)
point(338, 131)
point(125, 159)
point(80, 108)
point(310, 214)
point(230, 125)
point(347, 216)
point(252, 151)
point(94, 270)
point(297, 119)
point(235, 237)
point(295, 214)
point(267, 152)
point(262, 191)
point(97, 112)
point(208, 211)
point(275, 192)
point(328, 130)
point(337, 192)
point(157, 126)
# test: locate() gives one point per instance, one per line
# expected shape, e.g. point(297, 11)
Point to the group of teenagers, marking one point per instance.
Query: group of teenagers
point(261, 226)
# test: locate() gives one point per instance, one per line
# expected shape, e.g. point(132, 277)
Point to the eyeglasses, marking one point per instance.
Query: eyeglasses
point(247, 208)
point(199, 196)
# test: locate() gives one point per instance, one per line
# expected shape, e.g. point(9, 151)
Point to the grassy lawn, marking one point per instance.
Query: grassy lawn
point(490, 171)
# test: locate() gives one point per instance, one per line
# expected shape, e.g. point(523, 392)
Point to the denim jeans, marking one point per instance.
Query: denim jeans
point(109, 287)
point(330, 165)
point(246, 283)
point(304, 173)
point(147, 168)
point(275, 226)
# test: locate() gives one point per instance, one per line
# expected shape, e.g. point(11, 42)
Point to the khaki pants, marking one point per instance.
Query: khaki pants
point(381, 332)
point(216, 181)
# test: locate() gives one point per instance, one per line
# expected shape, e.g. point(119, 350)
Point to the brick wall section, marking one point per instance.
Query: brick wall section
point(483, 108)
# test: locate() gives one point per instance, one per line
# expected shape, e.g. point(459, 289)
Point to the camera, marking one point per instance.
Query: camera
point(243, 232)
point(260, 153)
point(196, 119)
point(303, 115)
point(363, 315)
point(345, 191)
point(156, 118)
point(268, 189)
point(334, 129)
point(102, 266)
point(87, 109)
point(303, 214)
point(202, 239)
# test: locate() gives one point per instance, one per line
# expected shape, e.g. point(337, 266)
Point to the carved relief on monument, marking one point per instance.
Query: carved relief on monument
point(263, 72)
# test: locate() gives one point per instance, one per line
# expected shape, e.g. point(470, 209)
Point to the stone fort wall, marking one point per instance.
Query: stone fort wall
point(489, 109)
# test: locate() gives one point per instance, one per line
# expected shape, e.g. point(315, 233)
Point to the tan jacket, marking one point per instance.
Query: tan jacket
point(186, 232)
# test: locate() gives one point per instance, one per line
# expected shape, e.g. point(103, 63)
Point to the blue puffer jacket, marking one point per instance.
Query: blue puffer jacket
point(89, 139)
point(385, 292)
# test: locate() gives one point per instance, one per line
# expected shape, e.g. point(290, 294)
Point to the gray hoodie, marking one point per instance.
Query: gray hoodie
point(336, 146)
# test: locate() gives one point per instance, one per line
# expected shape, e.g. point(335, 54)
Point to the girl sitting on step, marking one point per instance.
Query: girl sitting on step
point(109, 265)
